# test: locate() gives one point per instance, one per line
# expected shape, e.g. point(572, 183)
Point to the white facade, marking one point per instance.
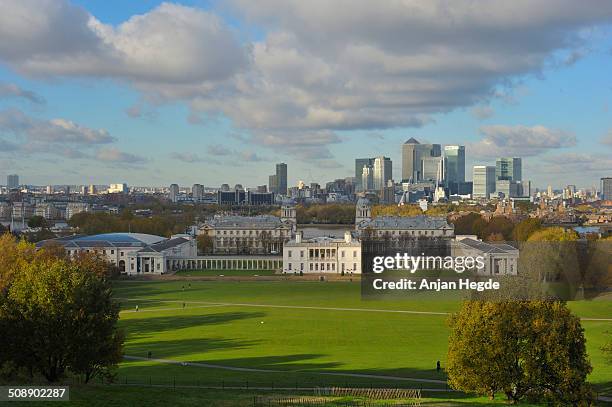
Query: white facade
point(118, 189)
point(499, 258)
point(322, 255)
point(132, 253)
point(250, 234)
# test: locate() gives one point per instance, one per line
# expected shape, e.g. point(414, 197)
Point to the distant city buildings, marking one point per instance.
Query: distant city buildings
point(118, 189)
point(454, 163)
point(413, 154)
point(197, 192)
point(606, 188)
point(173, 193)
point(483, 178)
point(12, 181)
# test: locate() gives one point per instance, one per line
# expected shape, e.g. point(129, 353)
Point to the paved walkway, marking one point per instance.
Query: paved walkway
point(237, 304)
point(256, 370)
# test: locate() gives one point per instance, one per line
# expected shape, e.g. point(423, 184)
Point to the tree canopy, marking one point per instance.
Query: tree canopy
point(525, 349)
point(57, 314)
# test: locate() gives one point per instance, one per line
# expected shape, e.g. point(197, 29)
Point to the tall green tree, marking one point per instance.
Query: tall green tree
point(524, 349)
point(56, 314)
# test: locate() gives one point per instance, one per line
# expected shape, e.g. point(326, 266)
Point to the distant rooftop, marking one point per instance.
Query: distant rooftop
point(233, 221)
point(106, 240)
point(407, 222)
point(412, 140)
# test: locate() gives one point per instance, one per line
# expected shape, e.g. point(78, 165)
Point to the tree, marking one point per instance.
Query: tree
point(205, 244)
point(58, 313)
point(525, 349)
point(37, 222)
point(498, 225)
point(525, 228)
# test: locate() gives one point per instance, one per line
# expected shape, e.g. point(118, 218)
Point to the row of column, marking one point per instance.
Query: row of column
point(226, 264)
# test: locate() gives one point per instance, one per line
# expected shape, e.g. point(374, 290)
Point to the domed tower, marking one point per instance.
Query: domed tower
point(363, 210)
point(289, 213)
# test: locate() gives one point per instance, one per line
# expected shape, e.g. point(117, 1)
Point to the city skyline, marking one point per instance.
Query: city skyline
point(224, 92)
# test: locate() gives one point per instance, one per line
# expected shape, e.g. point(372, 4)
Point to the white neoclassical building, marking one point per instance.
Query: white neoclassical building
point(264, 234)
point(132, 253)
point(499, 258)
point(322, 255)
point(397, 227)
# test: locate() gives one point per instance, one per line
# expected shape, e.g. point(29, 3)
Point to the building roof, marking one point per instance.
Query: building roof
point(484, 247)
point(245, 222)
point(412, 140)
point(406, 223)
point(363, 201)
point(164, 245)
point(105, 240)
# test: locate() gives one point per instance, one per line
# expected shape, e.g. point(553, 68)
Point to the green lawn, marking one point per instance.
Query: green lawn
point(290, 330)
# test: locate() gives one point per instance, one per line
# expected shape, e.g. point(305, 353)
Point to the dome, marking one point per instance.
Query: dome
point(363, 202)
point(288, 201)
point(122, 238)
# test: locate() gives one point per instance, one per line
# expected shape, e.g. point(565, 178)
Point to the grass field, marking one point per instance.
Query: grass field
point(297, 334)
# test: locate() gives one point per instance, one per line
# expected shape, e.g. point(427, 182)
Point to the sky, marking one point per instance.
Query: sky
point(152, 93)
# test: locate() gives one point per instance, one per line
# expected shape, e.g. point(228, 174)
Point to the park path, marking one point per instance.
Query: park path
point(207, 304)
point(256, 370)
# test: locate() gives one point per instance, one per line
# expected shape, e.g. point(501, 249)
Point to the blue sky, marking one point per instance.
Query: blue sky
point(152, 93)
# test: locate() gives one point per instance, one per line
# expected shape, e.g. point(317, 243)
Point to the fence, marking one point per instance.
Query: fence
point(371, 393)
point(304, 401)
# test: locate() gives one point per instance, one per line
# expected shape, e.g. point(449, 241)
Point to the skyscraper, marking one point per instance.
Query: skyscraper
point(382, 172)
point(606, 188)
point(454, 163)
point(197, 192)
point(174, 191)
point(412, 154)
point(367, 178)
point(432, 169)
point(484, 181)
point(12, 181)
point(281, 178)
point(359, 164)
point(509, 169)
point(272, 184)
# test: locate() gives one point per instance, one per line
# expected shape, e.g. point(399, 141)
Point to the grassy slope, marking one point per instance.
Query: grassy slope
point(301, 341)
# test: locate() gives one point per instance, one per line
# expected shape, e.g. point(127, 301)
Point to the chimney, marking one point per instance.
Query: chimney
point(298, 237)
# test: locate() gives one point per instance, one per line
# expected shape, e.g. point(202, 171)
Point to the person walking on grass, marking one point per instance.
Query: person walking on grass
point(136, 307)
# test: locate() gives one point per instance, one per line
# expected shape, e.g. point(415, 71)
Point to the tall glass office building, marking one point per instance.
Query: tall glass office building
point(454, 163)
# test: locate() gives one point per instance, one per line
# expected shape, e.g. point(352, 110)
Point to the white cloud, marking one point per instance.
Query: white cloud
point(186, 157)
point(522, 141)
point(11, 90)
point(218, 150)
point(607, 138)
point(576, 163)
point(321, 67)
point(171, 44)
point(482, 112)
point(59, 130)
point(114, 155)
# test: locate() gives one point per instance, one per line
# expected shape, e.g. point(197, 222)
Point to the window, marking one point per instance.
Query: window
point(302, 266)
point(354, 253)
point(112, 251)
point(354, 266)
point(310, 266)
point(288, 253)
point(289, 266)
point(301, 253)
point(121, 254)
point(342, 253)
